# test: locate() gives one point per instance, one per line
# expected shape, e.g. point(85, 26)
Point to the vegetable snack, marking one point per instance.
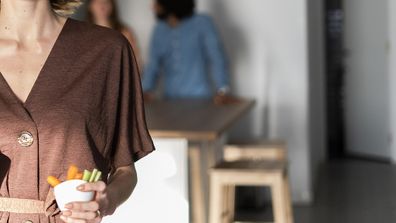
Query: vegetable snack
point(74, 174)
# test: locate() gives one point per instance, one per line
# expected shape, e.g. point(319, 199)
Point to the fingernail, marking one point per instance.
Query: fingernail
point(81, 187)
point(67, 213)
point(63, 218)
point(68, 206)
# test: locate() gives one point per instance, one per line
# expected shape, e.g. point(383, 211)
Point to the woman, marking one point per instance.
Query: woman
point(104, 13)
point(70, 93)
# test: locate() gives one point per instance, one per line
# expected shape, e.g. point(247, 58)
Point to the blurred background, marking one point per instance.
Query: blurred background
point(318, 75)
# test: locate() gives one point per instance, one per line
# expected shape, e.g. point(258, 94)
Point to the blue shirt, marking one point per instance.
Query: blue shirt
point(190, 56)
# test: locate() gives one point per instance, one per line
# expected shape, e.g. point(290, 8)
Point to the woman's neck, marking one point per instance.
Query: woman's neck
point(103, 22)
point(27, 20)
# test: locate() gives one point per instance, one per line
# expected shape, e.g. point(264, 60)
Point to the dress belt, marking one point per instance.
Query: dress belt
point(22, 206)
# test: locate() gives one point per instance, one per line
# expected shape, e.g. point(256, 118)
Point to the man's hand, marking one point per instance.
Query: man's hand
point(224, 99)
point(148, 97)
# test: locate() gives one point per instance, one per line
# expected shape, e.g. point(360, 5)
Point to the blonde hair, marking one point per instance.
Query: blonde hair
point(64, 7)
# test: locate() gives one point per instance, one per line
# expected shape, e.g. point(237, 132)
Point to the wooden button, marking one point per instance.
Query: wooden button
point(25, 139)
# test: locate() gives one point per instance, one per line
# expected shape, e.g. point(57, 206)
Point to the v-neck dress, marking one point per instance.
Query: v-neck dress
point(85, 108)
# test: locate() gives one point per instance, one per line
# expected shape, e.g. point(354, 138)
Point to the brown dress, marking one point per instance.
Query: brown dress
point(85, 108)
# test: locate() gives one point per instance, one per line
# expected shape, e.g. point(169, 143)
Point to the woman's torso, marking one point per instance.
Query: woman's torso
point(68, 115)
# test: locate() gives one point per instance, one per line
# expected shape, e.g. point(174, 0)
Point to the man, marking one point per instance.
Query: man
point(186, 50)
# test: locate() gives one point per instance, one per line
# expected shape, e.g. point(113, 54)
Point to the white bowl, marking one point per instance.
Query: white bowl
point(67, 192)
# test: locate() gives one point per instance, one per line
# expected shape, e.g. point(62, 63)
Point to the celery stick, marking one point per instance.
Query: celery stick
point(86, 175)
point(91, 179)
point(98, 176)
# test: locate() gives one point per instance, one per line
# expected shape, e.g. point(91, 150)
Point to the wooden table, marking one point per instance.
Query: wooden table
point(193, 119)
point(203, 124)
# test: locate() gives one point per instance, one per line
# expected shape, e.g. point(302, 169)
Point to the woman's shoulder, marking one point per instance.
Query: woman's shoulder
point(92, 34)
point(127, 32)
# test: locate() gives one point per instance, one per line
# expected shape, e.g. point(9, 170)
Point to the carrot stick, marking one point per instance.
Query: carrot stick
point(72, 172)
point(53, 181)
point(78, 176)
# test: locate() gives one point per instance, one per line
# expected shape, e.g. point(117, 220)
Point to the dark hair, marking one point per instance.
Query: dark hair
point(115, 21)
point(180, 8)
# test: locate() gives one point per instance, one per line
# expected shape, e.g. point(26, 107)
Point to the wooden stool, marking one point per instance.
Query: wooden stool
point(250, 165)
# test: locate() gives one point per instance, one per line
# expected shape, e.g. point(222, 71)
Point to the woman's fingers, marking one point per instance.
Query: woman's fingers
point(98, 219)
point(99, 186)
point(88, 215)
point(81, 212)
point(72, 220)
point(83, 206)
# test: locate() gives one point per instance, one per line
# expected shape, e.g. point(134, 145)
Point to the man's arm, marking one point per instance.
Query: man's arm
point(215, 53)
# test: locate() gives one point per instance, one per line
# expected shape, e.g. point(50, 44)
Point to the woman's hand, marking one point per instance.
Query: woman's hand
point(93, 211)
point(107, 198)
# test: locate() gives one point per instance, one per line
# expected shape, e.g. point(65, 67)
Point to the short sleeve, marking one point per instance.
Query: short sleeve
point(131, 140)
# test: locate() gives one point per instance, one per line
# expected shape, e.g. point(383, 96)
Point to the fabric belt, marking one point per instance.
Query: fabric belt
point(25, 206)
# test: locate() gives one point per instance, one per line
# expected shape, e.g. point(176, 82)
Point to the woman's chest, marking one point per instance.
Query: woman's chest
point(21, 64)
point(79, 103)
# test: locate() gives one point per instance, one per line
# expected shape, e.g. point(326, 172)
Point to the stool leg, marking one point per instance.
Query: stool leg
point(197, 202)
point(211, 154)
point(279, 199)
point(290, 218)
point(216, 201)
point(225, 210)
point(230, 202)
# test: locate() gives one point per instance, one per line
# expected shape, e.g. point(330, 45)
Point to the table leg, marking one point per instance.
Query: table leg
point(197, 197)
point(214, 154)
point(208, 153)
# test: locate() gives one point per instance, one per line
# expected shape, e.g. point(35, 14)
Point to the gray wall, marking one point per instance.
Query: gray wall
point(392, 75)
point(317, 86)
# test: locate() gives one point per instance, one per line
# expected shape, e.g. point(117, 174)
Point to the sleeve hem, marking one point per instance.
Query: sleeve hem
point(140, 154)
point(136, 156)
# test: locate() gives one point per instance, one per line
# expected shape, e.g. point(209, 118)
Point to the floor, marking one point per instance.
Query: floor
point(349, 191)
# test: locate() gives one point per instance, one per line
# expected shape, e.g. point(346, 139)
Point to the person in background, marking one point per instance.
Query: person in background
point(104, 13)
point(185, 48)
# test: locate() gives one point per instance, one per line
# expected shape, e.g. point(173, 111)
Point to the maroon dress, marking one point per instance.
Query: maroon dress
point(85, 108)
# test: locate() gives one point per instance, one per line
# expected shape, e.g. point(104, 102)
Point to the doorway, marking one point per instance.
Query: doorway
point(357, 76)
point(334, 79)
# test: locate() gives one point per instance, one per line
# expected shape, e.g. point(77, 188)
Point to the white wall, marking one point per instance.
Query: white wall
point(266, 41)
point(138, 15)
point(162, 190)
point(245, 43)
point(392, 74)
point(267, 46)
point(367, 77)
